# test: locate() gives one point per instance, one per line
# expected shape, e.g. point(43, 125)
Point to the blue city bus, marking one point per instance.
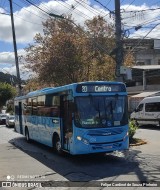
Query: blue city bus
point(79, 118)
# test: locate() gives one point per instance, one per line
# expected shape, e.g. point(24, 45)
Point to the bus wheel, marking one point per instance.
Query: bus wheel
point(27, 135)
point(57, 145)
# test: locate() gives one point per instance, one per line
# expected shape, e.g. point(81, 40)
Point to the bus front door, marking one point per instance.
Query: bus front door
point(66, 124)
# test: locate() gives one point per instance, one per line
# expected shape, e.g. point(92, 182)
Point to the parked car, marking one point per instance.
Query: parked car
point(148, 111)
point(10, 121)
point(3, 118)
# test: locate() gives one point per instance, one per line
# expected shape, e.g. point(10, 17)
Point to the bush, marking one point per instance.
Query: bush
point(133, 126)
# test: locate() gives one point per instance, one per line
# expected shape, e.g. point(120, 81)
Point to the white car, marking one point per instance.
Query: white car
point(3, 118)
point(10, 121)
point(148, 111)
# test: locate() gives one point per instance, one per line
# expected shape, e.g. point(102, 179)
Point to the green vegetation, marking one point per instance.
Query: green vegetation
point(6, 93)
point(132, 128)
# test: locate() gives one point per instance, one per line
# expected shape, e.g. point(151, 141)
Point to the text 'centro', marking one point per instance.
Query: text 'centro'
point(102, 88)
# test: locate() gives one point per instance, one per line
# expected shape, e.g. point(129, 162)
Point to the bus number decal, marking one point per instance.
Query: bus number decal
point(84, 88)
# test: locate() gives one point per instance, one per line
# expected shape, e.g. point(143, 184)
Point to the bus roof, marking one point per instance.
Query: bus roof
point(50, 90)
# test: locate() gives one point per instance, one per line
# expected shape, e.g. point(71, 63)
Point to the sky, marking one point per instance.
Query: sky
point(28, 21)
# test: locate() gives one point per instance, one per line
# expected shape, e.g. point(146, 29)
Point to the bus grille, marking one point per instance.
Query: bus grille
point(105, 132)
point(107, 146)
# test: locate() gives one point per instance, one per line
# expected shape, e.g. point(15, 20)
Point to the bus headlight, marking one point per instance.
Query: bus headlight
point(85, 141)
point(124, 138)
point(79, 138)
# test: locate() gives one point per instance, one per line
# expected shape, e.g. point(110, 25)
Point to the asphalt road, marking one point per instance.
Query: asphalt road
point(24, 161)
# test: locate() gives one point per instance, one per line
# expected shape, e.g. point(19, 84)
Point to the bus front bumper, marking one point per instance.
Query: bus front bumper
point(84, 147)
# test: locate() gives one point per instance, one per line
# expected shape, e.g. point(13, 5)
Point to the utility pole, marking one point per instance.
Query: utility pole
point(119, 44)
point(15, 49)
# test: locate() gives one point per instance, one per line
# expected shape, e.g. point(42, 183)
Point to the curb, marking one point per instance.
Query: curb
point(142, 142)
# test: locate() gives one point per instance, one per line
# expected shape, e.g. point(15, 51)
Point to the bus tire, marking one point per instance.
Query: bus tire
point(57, 145)
point(27, 135)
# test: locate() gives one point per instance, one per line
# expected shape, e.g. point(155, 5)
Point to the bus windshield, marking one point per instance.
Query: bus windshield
point(101, 111)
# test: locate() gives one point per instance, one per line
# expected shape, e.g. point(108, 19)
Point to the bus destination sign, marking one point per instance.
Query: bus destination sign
point(97, 88)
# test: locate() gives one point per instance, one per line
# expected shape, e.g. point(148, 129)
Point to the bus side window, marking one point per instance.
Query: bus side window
point(34, 106)
point(28, 107)
point(40, 105)
point(52, 106)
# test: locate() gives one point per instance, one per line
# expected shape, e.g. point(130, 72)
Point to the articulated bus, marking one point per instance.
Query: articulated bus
point(79, 118)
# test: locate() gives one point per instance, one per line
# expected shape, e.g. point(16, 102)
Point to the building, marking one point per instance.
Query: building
point(146, 71)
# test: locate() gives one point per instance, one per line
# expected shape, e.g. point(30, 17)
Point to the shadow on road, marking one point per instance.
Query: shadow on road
point(85, 167)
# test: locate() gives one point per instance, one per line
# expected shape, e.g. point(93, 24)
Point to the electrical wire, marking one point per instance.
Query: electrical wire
point(80, 13)
point(96, 10)
point(99, 46)
point(45, 12)
point(108, 3)
point(130, 4)
point(32, 13)
point(136, 15)
point(103, 5)
point(143, 38)
point(87, 7)
point(122, 1)
point(144, 23)
point(143, 10)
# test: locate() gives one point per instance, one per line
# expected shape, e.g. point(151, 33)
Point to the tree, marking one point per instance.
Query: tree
point(59, 56)
point(102, 42)
point(6, 92)
point(69, 53)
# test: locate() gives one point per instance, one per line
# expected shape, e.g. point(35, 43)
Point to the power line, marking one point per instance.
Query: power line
point(4, 13)
point(50, 14)
point(122, 1)
point(143, 10)
point(103, 5)
point(143, 38)
point(87, 7)
point(72, 7)
point(143, 24)
point(32, 13)
point(130, 4)
point(99, 46)
point(80, 13)
point(108, 3)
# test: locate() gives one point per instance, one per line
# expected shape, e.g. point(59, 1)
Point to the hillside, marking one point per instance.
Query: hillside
point(11, 79)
